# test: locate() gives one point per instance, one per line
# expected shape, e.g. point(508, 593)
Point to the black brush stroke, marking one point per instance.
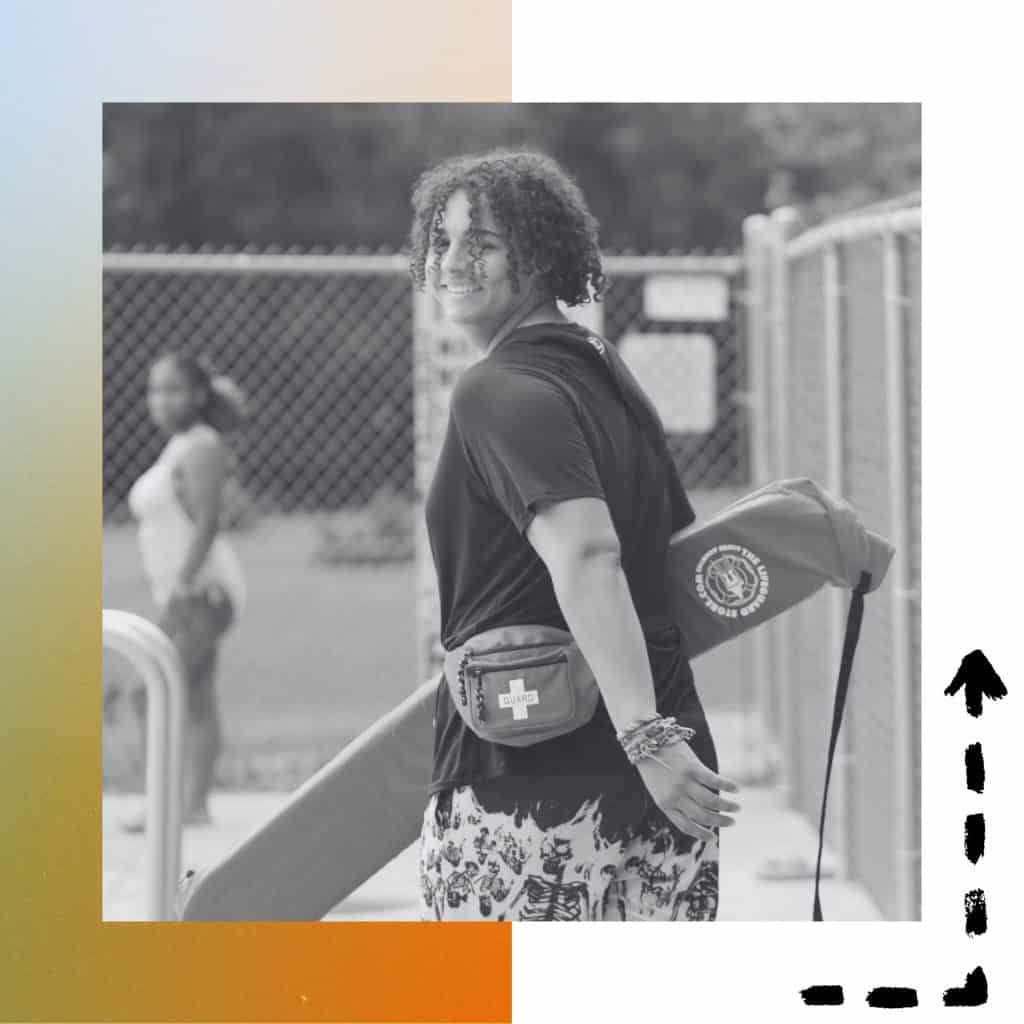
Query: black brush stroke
point(978, 679)
point(892, 998)
point(823, 995)
point(974, 837)
point(975, 912)
point(973, 993)
point(974, 763)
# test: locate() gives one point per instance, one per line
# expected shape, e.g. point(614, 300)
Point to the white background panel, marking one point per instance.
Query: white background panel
point(961, 66)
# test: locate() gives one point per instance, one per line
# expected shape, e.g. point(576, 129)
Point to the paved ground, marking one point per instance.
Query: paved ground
point(765, 831)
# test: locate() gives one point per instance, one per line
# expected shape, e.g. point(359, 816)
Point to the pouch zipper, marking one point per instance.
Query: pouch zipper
point(479, 669)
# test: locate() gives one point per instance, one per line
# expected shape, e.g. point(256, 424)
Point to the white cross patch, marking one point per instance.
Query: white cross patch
point(518, 699)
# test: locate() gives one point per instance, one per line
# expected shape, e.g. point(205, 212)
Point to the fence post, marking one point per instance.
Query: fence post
point(759, 747)
point(154, 657)
point(835, 483)
point(784, 222)
point(755, 229)
point(899, 582)
point(425, 441)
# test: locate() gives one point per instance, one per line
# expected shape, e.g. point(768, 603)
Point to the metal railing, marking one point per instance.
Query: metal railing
point(834, 330)
point(154, 657)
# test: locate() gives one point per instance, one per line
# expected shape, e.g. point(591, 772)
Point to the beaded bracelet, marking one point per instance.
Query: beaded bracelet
point(639, 726)
point(646, 737)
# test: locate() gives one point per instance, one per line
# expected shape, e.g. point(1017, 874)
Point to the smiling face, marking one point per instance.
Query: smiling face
point(469, 273)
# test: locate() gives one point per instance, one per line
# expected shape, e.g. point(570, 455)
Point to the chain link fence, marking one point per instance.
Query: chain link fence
point(348, 373)
point(800, 358)
point(322, 347)
point(680, 332)
point(835, 324)
point(348, 414)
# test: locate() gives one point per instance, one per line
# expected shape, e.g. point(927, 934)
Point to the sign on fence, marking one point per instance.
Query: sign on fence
point(686, 297)
point(679, 374)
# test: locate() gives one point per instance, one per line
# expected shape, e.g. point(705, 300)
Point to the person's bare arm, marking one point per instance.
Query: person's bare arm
point(202, 472)
point(577, 542)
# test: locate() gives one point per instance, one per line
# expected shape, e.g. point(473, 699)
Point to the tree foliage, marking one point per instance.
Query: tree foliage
point(658, 176)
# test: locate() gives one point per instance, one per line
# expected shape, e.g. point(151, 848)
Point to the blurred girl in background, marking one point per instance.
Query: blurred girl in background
point(195, 575)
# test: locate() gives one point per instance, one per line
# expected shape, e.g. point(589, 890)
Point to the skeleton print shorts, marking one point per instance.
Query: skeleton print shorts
point(478, 864)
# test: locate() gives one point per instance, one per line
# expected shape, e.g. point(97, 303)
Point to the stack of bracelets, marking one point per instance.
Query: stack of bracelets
point(646, 737)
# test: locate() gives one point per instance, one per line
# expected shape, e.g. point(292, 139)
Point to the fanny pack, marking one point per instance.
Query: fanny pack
point(520, 685)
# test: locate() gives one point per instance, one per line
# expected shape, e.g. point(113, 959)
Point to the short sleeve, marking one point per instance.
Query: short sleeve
point(523, 438)
point(682, 511)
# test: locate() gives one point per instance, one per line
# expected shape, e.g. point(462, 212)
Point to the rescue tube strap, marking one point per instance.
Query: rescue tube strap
point(853, 621)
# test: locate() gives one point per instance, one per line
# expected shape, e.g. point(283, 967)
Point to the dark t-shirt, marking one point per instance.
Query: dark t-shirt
point(540, 420)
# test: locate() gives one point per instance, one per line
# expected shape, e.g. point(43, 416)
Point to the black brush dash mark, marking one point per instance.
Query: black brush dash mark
point(973, 993)
point(823, 995)
point(892, 998)
point(974, 837)
point(978, 679)
point(974, 762)
point(975, 912)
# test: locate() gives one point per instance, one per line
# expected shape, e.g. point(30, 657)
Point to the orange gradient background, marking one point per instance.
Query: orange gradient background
point(58, 961)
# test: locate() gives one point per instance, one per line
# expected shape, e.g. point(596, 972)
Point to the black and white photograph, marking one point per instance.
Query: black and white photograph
point(511, 512)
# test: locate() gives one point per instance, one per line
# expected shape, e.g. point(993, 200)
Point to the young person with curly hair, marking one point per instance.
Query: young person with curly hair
point(553, 502)
point(194, 573)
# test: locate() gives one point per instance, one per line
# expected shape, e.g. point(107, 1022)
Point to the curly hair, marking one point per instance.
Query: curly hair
point(551, 231)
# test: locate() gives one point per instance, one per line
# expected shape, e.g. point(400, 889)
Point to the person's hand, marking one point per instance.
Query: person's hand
point(683, 787)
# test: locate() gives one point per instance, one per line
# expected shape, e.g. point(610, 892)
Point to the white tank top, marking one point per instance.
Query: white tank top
point(165, 529)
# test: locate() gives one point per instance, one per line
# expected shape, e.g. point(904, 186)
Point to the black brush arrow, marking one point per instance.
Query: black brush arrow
point(978, 679)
